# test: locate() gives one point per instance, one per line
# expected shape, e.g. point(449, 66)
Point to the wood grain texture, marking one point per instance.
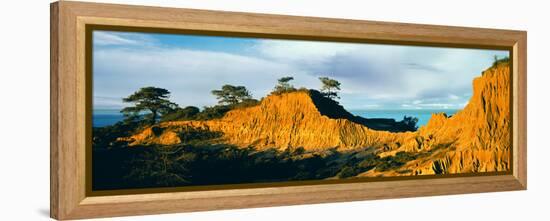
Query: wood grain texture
point(63, 110)
point(520, 102)
point(54, 97)
point(68, 106)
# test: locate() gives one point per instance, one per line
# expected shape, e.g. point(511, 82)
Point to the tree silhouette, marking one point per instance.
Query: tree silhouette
point(231, 95)
point(330, 87)
point(151, 99)
point(283, 85)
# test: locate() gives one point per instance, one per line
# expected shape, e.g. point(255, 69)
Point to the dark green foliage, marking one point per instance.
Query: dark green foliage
point(155, 101)
point(205, 164)
point(410, 123)
point(152, 99)
point(201, 160)
point(498, 61)
point(208, 113)
point(230, 95)
point(369, 162)
point(330, 87)
point(347, 171)
point(389, 164)
point(213, 112)
point(191, 134)
point(359, 162)
point(333, 109)
point(218, 111)
point(298, 151)
point(249, 102)
point(283, 86)
point(105, 137)
point(187, 113)
point(393, 162)
point(198, 161)
point(404, 156)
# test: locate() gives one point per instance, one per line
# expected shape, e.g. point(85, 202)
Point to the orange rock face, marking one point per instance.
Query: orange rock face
point(475, 139)
point(292, 120)
point(280, 121)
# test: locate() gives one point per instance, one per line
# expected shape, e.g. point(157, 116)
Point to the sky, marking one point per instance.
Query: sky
point(372, 76)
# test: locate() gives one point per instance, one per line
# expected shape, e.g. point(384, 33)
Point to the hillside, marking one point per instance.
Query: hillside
point(280, 121)
point(475, 139)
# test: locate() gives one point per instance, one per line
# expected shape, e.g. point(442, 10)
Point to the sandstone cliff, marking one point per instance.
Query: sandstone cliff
point(476, 139)
point(280, 121)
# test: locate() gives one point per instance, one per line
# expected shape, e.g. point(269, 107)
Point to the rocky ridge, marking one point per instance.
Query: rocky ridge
point(475, 139)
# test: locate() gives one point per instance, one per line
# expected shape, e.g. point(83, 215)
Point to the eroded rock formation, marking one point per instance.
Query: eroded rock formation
point(475, 139)
point(280, 121)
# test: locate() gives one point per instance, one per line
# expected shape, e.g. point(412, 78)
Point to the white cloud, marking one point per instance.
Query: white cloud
point(371, 106)
point(189, 75)
point(102, 102)
point(453, 97)
point(421, 105)
point(438, 105)
point(103, 38)
point(388, 72)
point(372, 76)
point(302, 51)
point(108, 38)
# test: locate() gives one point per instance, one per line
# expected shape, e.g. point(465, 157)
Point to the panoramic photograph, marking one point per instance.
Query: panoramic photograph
point(179, 110)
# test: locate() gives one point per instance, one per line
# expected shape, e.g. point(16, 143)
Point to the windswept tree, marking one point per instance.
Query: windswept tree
point(152, 99)
point(231, 95)
point(283, 85)
point(330, 87)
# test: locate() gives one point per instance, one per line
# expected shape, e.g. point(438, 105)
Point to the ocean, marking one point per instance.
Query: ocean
point(423, 115)
point(102, 117)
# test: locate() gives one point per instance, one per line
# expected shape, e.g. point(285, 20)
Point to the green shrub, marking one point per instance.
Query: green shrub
point(404, 156)
point(218, 111)
point(213, 112)
point(500, 60)
point(369, 163)
point(194, 135)
point(283, 86)
point(187, 113)
point(347, 171)
point(394, 162)
point(410, 123)
point(105, 137)
point(204, 163)
point(245, 103)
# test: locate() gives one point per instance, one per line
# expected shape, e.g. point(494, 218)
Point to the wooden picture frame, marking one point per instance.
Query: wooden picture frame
point(69, 198)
